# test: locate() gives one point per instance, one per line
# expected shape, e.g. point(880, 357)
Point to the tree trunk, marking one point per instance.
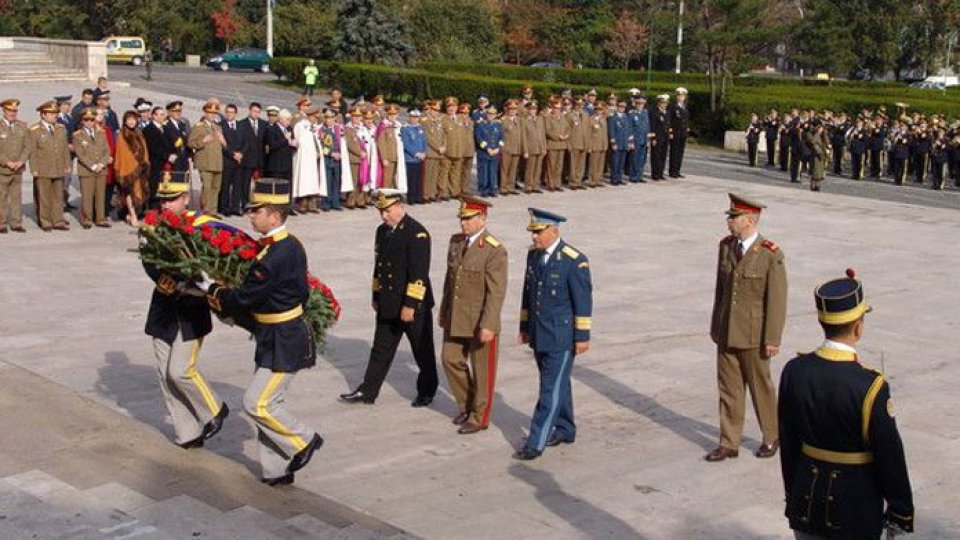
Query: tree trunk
point(712, 78)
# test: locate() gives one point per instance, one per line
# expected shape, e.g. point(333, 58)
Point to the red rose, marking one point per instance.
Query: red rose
point(174, 221)
point(166, 215)
point(248, 254)
point(238, 241)
point(150, 218)
point(207, 232)
point(224, 234)
point(187, 228)
point(226, 248)
point(313, 282)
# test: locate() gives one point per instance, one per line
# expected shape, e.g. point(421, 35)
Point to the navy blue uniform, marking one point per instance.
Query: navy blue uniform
point(329, 137)
point(753, 142)
point(841, 454)
point(679, 129)
point(555, 313)
point(618, 129)
point(175, 134)
point(414, 142)
point(639, 131)
point(858, 147)
point(274, 293)
point(489, 137)
point(660, 127)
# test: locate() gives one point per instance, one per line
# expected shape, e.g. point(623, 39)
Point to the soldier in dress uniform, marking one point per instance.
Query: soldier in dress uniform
point(14, 153)
point(473, 294)
point(534, 148)
point(858, 147)
point(579, 144)
point(436, 135)
point(489, 136)
point(175, 130)
point(597, 143)
point(273, 295)
point(753, 139)
point(679, 128)
point(402, 300)
point(49, 163)
point(93, 158)
point(660, 141)
point(178, 319)
point(555, 318)
point(842, 457)
point(557, 132)
point(449, 178)
point(749, 312)
point(207, 141)
point(414, 152)
point(619, 129)
point(639, 135)
point(468, 149)
point(783, 156)
point(512, 127)
point(771, 126)
point(387, 134)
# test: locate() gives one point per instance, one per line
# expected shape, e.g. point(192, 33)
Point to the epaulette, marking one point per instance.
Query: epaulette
point(570, 252)
point(771, 245)
point(422, 234)
point(34, 127)
point(492, 241)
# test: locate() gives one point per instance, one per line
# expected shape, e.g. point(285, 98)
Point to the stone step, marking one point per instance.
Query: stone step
point(256, 519)
point(24, 56)
point(63, 75)
point(186, 517)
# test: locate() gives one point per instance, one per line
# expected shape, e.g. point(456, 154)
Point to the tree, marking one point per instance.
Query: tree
point(454, 30)
point(626, 39)
point(370, 34)
point(226, 22)
point(519, 41)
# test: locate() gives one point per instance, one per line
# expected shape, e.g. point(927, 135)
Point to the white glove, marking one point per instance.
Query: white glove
point(172, 158)
point(204, 282)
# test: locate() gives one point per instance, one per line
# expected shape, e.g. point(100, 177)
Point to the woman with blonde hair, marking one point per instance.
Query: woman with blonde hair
point(132, 168)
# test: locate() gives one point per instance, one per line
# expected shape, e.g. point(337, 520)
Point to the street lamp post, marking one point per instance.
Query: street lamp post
point(270, 27)
point(679, 35)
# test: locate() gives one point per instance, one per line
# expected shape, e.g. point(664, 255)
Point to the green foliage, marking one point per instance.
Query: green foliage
point(457, 30)
point(301, 28)
point(371, 34)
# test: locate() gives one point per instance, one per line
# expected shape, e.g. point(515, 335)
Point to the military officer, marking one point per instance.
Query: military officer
point(449, 179)
point(579, 144)
point(489, 137)
point(436, 137)
point(402, 300)
point(473, 293)
point(749, 311)
point(207, 141)
point(660, 140)
point(639, 135)
point(93, 158)
point(175, 131)
point(618, 127)
point(597, 144)
point(679, 128)
point(842, 455)
point(534, 148)
point(771, 126)
point(13, 158)
point(388, 151)
point(556, 131)
point(178, 319)
point(753, 139)
point(49, 163)
point(555, 322)
point(512, 127)
point(273, 294)
point(858, 147)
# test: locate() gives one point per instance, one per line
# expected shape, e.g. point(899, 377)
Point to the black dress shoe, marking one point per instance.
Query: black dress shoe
point(195, 443)
point(357, 397)
point(301, 458)
point(557, 440)
point(527, 454)
point(18, 229)
point(216, 424)
point(461, 418)
point(284, 480)
point(422, 401)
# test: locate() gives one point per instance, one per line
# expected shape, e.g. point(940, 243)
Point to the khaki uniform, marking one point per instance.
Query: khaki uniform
point(511, 153)
point(534, 147)
point(577, 145)
point(468, 149)
point(13, 148)
point(387, 152)
point(356, 149)
point(557, 132)
point(436, 147)
point(92, 149)
point(473, 293)
point(749, 312)
point(208, 159)
point(49, 163)
point(449, 182)
point(597, 144)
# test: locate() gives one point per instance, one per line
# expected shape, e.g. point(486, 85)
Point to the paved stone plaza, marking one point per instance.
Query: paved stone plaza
point(74, 305)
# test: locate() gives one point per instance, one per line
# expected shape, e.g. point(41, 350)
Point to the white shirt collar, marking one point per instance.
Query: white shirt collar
point(837, 346)
point(473, 237)
point(278, 230)
point(746, 243)
point(550, 249)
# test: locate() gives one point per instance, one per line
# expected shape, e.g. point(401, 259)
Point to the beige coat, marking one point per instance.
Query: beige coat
point(557, 131)
point(49, 156)
point(534, 136)
point(13, 145)
point(91, 151)
point(512, 135)
point(207, 156)
point(578, 130)
point(597, 139)
point(474, 287)
point(436, 137)
point(750, 302)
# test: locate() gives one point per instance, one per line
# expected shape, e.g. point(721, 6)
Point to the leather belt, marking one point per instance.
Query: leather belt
point(839, 458)
point(277, 318)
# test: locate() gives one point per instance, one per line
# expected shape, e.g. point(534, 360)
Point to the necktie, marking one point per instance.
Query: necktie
point(739, 250)
point(233, 125)
point(466, 246)
point(90, 133)
point(254, 126)
point(49, 128)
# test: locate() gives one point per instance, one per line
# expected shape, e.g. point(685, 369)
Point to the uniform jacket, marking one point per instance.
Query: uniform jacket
point(279, 152)
point(679, 120)
point(475, 285)
point(329, 139)
point(436, 137)
point(618, 128)
point(175, 133)
point(49, 156)
point(578, 121)
point(276, 283)
point(254, 142)
point(467, 144)
point(639, 126)
point(91, 151)
point(557, 130)
point(387, 141)
point(557, 299)
point(597, 139)
point(512, 135)
point(534, 136)
point(236, 142)
point(13, 145)
point(414, 142)
point(451, 136)
point(830, 402)
point(660, 125)
point(401, 273)
point(207, 156)
point(750, 302)
point(489, 137)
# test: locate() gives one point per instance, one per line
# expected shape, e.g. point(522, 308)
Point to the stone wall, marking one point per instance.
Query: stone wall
point(87, 56)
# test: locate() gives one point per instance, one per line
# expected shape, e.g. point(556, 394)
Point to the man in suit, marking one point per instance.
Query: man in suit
point(473, 292)
point(555, 320)
point(842, 455)
point(254, 132)
point(771, 126)
point(679, 129)
point(660, 141)
point(234, 150)
point(13, 157)
point(281, 147)
point(49, 163)
point(86, 102)
point(402, 300)
point(207, 141)
point(749, 312)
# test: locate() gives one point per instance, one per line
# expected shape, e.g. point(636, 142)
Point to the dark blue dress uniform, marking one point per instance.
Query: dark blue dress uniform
point(414, 142)
point(401, 279)
point(618, 129)
point(841, 454)
point(489, 136)
point(858, 147)
point(555, 314)
point(639, 131)
point(660, 127)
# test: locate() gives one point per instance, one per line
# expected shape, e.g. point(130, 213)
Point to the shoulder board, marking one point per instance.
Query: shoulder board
point(492, 241)
point(771, 245)
point(570, 252)
point(34, 127)
point(422, 234)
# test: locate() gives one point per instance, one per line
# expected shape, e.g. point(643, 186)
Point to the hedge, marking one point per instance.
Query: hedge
point(409, 86)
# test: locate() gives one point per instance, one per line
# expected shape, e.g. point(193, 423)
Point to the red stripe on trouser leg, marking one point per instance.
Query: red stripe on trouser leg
point(491, 377)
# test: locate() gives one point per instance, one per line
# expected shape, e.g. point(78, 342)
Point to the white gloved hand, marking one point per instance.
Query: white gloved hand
point(204, 282)
point(172, 158)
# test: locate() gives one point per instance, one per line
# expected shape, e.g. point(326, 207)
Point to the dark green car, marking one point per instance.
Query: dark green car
point(255, 59)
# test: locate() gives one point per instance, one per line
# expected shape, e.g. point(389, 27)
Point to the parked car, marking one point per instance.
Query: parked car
point(126, 49)
point(255, 59)
point(929, 85)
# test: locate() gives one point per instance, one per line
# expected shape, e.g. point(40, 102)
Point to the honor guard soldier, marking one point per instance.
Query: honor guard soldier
point(402, 300)
point(473, 293)
point(639, 134)
point(489, 137)
point(749, 311)
point(660, 141)
point(274, 294)
point(842, 456)
point(175, 131)
point(49, 163)
point(555, 322)
point(679, 128)
point(178, 320)
point(13, 158)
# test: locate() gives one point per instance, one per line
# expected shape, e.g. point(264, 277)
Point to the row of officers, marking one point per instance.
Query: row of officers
point(908, 148)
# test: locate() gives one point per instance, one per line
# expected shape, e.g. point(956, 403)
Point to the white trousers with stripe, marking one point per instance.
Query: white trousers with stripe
point(190, 400)
point(280, 435)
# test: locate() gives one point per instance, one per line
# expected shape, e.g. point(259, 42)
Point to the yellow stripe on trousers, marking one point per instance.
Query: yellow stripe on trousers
point(198, 380)
point(272, 422)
